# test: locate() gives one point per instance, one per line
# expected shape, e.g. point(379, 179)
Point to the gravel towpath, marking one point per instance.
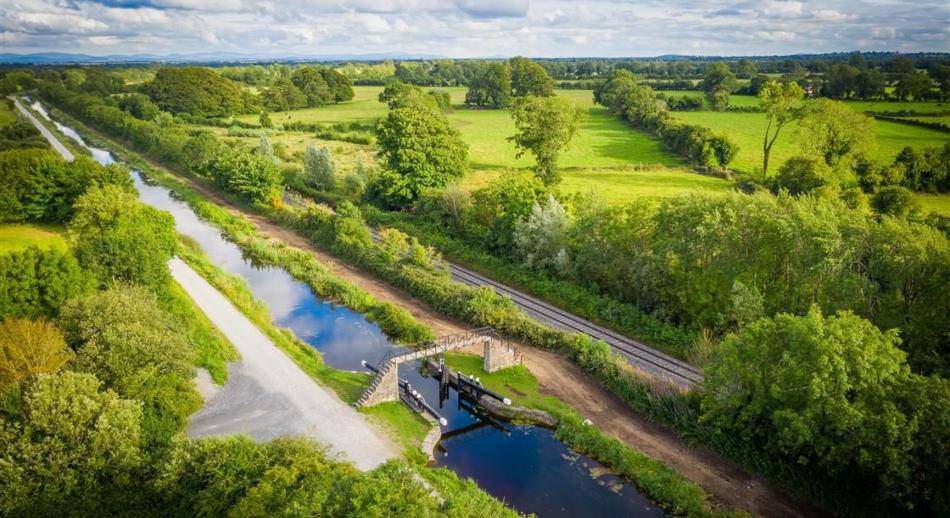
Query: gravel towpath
point(267, 395)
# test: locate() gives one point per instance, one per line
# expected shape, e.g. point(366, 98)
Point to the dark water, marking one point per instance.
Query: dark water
point(524, 466)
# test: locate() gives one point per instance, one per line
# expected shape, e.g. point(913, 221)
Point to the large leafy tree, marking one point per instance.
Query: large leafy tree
point(800, 175)
point(916, 85)
point(545, 126)
point(125, 339)
point(340, 86)
point(529, 78)
point(70, 448)
point(119, 238)
point(835, 133)
point(718, 83)
point(841, 81)
point(814, 389)
point(312, 84)
point(421, 149)
point(779, 101)
point(195, 90)
point(490, 87)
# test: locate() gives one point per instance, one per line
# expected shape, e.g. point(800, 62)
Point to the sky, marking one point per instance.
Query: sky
point(473, 28)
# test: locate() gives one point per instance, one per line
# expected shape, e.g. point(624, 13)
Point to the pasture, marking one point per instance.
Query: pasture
point(747, 130)
point(15, 237)
point(602, 140)
point(606, 156)
point(621, 185)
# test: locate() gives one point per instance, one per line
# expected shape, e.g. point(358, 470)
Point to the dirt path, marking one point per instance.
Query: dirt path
point(727, 482)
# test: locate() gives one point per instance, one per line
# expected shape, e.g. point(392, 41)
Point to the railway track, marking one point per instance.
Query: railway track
point(635, 352)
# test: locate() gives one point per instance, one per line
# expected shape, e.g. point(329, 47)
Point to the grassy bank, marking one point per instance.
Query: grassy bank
point(17, 236)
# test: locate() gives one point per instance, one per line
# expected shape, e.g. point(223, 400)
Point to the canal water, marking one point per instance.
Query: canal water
point(524, 466)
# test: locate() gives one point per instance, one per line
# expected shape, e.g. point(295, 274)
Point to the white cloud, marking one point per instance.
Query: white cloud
point(472, 28)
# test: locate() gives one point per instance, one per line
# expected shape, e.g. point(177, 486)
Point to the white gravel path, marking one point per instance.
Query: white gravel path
point(57, 145)
point(267, 395)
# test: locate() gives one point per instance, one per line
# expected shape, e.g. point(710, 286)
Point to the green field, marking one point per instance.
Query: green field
point(935, 203)
point(942, 119)
point(601, 141)
point(747, 130)
point(623, 185)
point(860, 106)
point(17, 237)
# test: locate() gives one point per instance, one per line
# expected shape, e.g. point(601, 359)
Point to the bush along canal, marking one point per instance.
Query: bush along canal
point(524, 466)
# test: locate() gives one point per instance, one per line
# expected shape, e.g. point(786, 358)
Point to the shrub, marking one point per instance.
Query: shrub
point(28, 349)
point(125, 339)
point(71, 448)
point(116, 237)
point(319, 170)
point(35, 282)
point(894, 200)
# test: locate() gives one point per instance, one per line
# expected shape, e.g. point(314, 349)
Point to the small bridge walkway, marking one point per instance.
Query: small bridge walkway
point(498, 354)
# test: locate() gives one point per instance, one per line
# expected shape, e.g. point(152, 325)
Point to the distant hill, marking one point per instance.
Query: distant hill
point(63, 58)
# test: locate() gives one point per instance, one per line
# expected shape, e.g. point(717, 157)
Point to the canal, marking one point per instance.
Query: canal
point(524, 466)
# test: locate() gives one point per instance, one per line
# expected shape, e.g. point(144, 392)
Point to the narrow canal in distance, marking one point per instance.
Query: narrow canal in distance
point(524, 466)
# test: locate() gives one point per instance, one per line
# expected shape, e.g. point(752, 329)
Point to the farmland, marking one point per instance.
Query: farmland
point(747, 130)
point(606, 156)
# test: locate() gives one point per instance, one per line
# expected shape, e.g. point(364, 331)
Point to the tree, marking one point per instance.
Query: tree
point(116, 237)
point(835, 133)
point(723, 149)
point(35, 282)
point(313, 86)
point(319, 170)
point(490, 87)
point(800, 175)
point(545, 126)
point(840, 81)
point(541, 239)
point(941, 74)
point(814, 389)
point(340, 86)
point(718, 83)
point(870, 84)
point(778, 100)
point(139, 105)
point(283, 95)
point(127, 341)
point(236, 476)
point(71, 448)
point(421, 149)
point(529, 78)
point(30, 348)
point(265, 120)
point(916, 85)
point(499, 207)
point(194, 90)
point(254, 176)
point(894, 200)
